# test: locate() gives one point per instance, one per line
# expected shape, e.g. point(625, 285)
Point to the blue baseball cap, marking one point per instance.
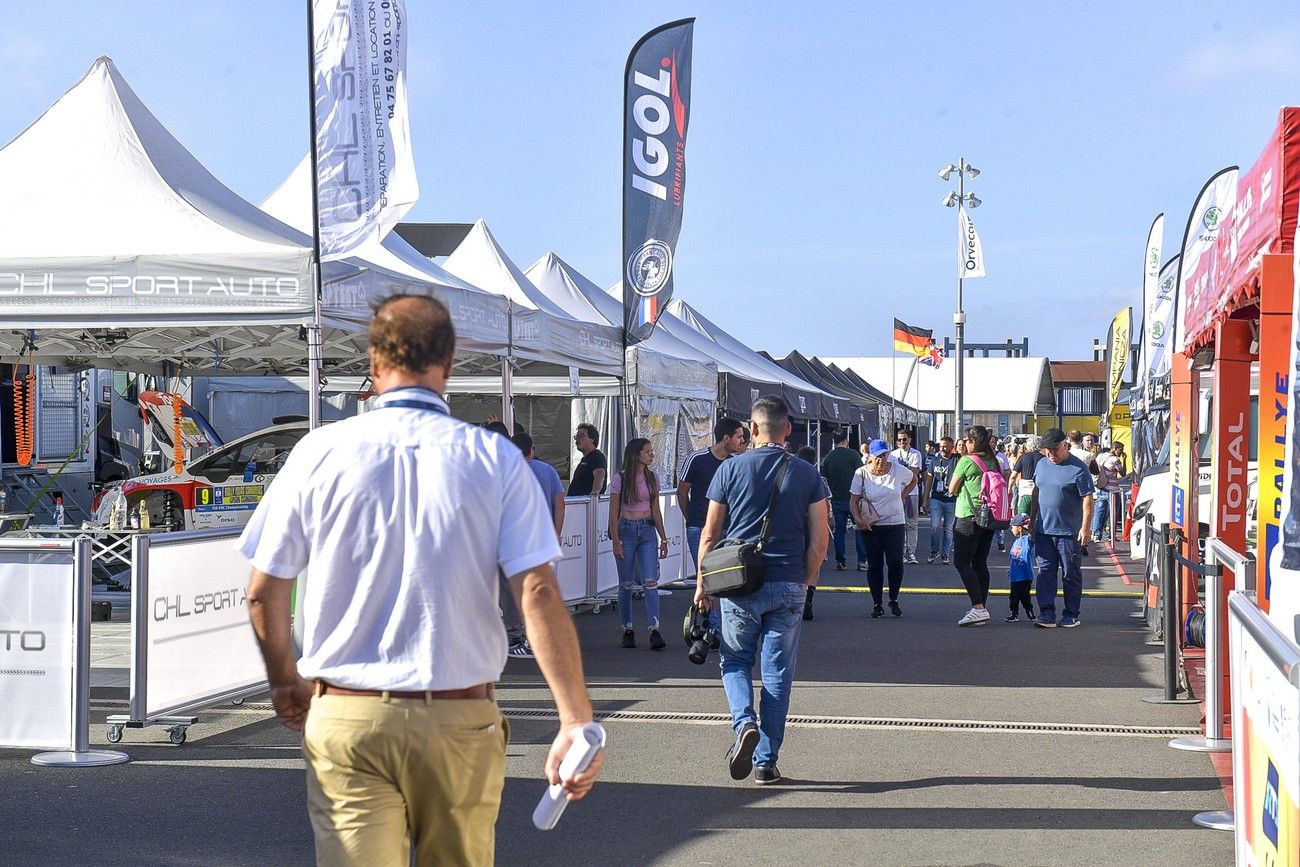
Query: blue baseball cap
point(878, 447)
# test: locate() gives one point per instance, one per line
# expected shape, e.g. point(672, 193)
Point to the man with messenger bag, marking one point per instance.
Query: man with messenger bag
point(763, 542)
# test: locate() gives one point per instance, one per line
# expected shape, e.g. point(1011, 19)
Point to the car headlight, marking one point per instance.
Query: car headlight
point(1140, 510)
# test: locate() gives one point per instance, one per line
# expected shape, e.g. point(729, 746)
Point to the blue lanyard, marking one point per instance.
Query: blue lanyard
point(414, 403)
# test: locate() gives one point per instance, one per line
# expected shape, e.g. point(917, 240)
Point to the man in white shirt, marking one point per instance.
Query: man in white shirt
point(405, 515)
point(909, 457)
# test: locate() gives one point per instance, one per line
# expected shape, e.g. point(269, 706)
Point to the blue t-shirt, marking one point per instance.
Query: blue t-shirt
point(699, 471)
point(1061, 489)
point(1022, 560)
point(549, 479)
point(744, 483)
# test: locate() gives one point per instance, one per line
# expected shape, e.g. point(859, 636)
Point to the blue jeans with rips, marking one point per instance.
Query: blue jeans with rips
point(762, 626)
point(943, 516)
point(640, 556)
point(844, 525)
point(1053, 553)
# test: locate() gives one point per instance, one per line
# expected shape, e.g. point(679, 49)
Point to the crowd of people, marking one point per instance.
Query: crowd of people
point(411, 609)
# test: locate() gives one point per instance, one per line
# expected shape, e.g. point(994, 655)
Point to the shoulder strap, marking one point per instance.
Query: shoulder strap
point(979, 463)
point(771, 501)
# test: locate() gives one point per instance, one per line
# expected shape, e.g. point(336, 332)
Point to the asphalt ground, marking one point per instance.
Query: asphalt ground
point(912, 742)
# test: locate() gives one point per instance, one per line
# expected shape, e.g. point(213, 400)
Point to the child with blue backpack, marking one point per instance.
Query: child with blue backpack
point(1021, 571)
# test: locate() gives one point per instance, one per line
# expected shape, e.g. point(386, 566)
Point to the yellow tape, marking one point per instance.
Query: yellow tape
point(957, 591)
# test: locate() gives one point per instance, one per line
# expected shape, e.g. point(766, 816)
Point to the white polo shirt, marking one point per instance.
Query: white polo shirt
point(404, 514)
point(909, 457)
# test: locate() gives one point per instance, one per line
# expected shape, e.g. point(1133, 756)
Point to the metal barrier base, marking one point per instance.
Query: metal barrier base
point(1202, 745)
point(1160, 699)
point(1216, 820)
point(79, 758)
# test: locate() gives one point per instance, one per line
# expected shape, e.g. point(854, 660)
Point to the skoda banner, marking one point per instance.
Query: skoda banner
point(1150, 285)
point(1157, 326)
point(1203, 223)
point(656, 111)
point(364, 168)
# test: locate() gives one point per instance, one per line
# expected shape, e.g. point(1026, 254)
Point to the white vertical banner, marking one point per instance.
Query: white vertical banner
point(970, 253)
point(1217, 198)
point(365, 170)
point(37, 649)
point(1150, 285)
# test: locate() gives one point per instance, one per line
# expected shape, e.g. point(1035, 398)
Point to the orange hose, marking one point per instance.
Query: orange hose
point(25, 412)
point(179, 447)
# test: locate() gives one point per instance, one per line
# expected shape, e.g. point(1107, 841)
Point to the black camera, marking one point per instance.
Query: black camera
point(699, 637)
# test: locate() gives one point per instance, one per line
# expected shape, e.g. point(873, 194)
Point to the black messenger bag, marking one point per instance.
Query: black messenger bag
point(735, 567)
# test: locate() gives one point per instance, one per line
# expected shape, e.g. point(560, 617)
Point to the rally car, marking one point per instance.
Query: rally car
point(219, 489)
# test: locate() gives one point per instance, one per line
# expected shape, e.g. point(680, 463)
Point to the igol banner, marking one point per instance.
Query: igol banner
point(656, 110)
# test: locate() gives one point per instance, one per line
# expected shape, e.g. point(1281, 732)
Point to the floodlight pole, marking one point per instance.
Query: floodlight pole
point(959, 318)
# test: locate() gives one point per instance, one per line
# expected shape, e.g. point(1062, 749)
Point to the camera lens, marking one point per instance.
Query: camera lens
point(699, 651)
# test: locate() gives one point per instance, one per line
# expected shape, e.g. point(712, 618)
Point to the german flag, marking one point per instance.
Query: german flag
point(912, 340)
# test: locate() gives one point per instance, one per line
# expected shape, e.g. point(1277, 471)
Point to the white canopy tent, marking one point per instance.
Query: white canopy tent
point(539, 329)
point(122, 251)
point(673, 388)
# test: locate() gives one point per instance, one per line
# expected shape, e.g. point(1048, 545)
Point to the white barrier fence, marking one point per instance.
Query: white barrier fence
point(45, 651)
point(192, 645)
point(601, 567)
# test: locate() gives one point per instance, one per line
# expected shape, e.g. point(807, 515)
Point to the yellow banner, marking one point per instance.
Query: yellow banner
point(1117, 353)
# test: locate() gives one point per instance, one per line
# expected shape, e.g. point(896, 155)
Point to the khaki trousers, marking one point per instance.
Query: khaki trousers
point(386, 774)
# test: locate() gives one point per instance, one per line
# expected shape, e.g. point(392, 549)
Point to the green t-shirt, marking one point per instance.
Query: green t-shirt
point(968, 496)
point(838, 467)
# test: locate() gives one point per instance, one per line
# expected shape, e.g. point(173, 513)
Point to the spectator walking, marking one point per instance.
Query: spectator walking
point(906, 456)
point(697, 474)
point(971, 542)
point(1020, 571)
point(942, 505)
point(1109, 470)
point(553, 491)
point(634, 519)
point(838, 468)
point(590, 475)
point(887, 485)
point(1022, 475)
point(764, 625)
point(402, 643)
point(1061, 509)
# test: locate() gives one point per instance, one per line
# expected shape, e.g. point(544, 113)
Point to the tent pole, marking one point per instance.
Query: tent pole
point(508, 373)
point(314, 329)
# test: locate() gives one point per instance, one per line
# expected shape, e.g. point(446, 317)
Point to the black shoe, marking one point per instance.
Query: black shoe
point(862, 567)
point(878, 611)
point(807, 604)
point(656, 640)
point(766, 775)
point(1029, 612)
point(1001, 547)
point(629, 638)
point(840, 567)
point(894, 609)
point(1013, 617)
point(740, 758)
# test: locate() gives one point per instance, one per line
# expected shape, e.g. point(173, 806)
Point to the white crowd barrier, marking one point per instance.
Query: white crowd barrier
point(192, 645)
point(1265, 684)
point(45, 651)
point(588, 572)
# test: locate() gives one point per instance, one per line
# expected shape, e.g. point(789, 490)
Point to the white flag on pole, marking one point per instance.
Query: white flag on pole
point(970, 253)
point(365, 171)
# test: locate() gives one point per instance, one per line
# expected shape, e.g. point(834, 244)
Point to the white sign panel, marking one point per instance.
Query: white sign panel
point(201, 643)
point(37, 649)
point(572, 568)
point(670, 568)
point(606, 565)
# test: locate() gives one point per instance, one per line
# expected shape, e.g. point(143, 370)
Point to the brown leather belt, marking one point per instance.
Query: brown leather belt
point(482, 690)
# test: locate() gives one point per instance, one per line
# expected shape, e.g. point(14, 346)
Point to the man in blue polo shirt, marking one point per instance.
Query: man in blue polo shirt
point(768, 619)
point(1061, 509)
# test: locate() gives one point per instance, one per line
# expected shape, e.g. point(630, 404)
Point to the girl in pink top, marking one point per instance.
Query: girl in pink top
point(634, 518)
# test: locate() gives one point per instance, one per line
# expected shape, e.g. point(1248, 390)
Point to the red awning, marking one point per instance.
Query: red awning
point(1262, 221)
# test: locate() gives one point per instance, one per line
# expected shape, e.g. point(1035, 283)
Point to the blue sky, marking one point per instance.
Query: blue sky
point(813, 210)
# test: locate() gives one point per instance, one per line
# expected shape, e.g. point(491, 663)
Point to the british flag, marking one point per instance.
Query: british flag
point(933, 356)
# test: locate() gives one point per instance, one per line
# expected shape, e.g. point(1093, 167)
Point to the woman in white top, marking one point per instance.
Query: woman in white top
point(885, 485)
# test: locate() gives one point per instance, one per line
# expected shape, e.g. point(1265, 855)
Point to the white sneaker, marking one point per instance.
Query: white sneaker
point(975, 617)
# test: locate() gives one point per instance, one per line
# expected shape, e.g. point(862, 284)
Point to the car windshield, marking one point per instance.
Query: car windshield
point(267, 452)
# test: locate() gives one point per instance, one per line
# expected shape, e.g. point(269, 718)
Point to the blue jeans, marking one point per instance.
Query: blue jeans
point(1099, 514)
point(844, 523)
point(764, 624)
point(693, 540)
point(943, 515)
point(640, 556)
point(1053, 553)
